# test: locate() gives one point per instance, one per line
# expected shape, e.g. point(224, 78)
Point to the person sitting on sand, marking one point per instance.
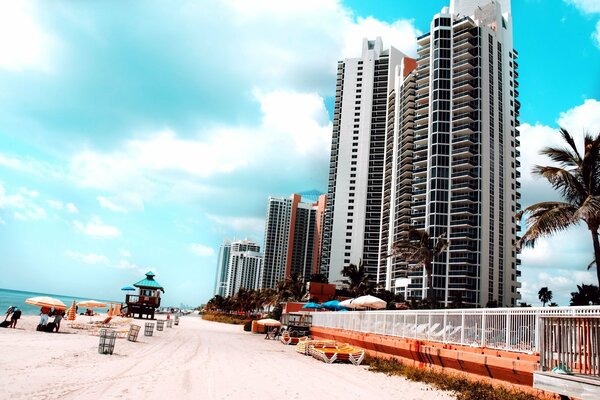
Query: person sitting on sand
point(16, 315)
point(44, 317)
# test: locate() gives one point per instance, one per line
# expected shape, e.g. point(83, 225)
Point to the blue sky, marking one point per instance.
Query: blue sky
point(137, 135)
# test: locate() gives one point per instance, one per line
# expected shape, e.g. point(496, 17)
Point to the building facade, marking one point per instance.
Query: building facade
point(449, 159)
point(292, 238)
point(240, 265)
point(352, 221)
point(222, 266)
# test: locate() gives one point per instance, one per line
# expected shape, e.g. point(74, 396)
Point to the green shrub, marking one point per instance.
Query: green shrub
point(464, 388)
point(225, 318)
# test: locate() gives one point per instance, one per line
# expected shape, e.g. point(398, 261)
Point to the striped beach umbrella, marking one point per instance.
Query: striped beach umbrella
point(72, 312)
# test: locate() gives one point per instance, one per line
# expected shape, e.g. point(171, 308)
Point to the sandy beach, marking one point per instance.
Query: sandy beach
point(195, 360)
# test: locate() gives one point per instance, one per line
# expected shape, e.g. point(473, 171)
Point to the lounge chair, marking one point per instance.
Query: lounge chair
point(274, 333)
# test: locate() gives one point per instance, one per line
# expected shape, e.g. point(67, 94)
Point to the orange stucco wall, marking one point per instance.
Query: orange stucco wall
point(516, 368)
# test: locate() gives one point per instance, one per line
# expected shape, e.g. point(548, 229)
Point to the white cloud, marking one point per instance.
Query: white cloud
point(240, 224)
point(582, 119)
point(71, 208)
point(23, 42)
point(59, 205)
point(22, 205)
point(29, 193)
point(402, 34)
point(90, 258)
point(586, 6)
point(125, 253)
point(596, 34)
point(96, 228)
point(297, 124)
point(201, 250)
point(108, 204)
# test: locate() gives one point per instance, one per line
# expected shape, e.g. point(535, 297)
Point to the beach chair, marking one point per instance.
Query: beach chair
point(274, 333)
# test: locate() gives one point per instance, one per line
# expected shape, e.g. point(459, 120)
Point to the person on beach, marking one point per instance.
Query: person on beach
point(16, 315)
point(58, 316)
point(44, 317)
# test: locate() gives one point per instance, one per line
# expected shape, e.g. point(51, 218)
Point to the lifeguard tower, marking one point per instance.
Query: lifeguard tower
point(143, 304)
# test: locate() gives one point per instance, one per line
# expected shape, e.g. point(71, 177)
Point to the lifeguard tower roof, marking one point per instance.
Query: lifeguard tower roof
point(149, 282)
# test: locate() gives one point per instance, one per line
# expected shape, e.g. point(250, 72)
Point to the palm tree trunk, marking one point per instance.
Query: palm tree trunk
point(596, 251)
point(429, 272)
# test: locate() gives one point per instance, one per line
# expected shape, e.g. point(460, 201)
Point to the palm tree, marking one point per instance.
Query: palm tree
point(577, 179)
point(545, 296)
point(291, 288)
point(585, 295)
point(358, 282)
point(420, 249)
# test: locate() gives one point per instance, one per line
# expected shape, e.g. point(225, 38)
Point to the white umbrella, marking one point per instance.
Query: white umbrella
point(268, 322)
point(369, 302)
point(350, 303)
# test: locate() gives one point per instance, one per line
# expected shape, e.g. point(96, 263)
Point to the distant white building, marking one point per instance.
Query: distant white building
point(240, 265)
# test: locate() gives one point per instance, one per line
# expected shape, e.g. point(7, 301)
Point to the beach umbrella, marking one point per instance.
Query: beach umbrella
point(72, 312)
point(268, 322)
point(312, 305)
point(333, 305)
point(128, 289)
point(46, 302)
point(369, 301)
point(91, 304)
point(346, 303)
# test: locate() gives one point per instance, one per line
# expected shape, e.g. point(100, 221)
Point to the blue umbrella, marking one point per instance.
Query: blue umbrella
point(128, 288)
point(312, 305)
point(333, 305)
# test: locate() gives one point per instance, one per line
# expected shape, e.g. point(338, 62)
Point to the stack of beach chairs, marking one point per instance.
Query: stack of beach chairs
point(331, 351)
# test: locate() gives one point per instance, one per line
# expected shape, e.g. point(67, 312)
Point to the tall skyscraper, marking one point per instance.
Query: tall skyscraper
point(222, 265)
point(292, 238)
point(447, 161)
point(353, 217)
point(239, 265)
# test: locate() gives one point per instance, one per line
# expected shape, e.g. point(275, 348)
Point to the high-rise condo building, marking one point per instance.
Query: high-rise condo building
point(222, 266)
point(240, 265)
point(448, 159)
point(353, 217)
point(292, 238)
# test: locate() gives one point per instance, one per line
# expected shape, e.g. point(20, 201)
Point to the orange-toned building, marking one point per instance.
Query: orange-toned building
point(293, 232)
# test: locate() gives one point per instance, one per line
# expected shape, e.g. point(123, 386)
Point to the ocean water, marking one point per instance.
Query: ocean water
point(17, 298)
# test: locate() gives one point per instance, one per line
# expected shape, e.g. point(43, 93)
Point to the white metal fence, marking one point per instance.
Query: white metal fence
point(513, 329)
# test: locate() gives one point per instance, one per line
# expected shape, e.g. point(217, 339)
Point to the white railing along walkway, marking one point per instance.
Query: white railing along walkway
point(513, 329)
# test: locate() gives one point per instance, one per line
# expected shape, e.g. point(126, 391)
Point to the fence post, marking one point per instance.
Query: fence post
point(445, 325)
point(536, 331)
point(508, 328)
point(429, 326)
point(483, 328)
point(462, 327)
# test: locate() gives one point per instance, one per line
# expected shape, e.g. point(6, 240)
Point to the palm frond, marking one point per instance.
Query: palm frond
point(564, 181)
point(545, 219)
point(563, 156)
point(589, 211)
point(569, 139)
